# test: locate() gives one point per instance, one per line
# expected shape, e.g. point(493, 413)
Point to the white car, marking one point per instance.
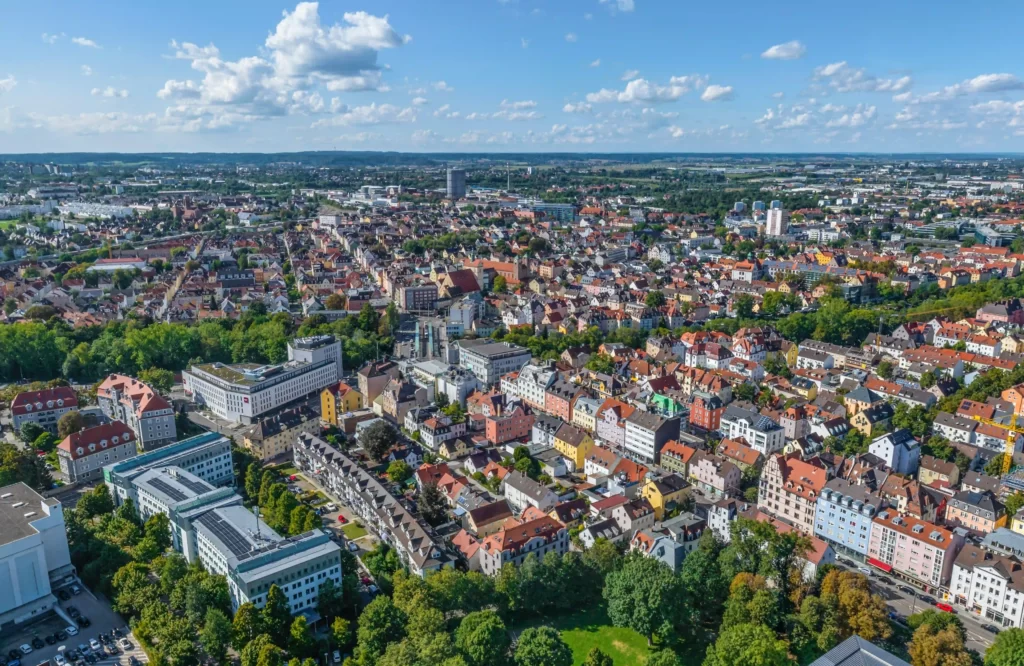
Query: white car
point(71, 631)
point(337, 656)
point(95, 645)
point(26, 649)
point(59, 659)
point(125, 644)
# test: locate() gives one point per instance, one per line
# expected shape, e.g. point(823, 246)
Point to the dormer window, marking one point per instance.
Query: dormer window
point(92, 447)
point(60, 402)
point(79, 450)
point(127, 436)
point(39, 405)
point(103, 443)
point(115, 439)
point(49, 404)
point(28, 407)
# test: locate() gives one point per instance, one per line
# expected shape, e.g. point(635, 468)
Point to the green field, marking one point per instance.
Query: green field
point(353, 531)
point(589, 629)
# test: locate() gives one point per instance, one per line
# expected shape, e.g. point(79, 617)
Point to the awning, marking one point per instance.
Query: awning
point(880, 565)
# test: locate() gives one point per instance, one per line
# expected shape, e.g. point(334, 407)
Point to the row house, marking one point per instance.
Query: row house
point(913, 548)
point(760, 432)
point(989, 585)
point(611, 422)
point(515, 424)
point(789, 490)
point(844, 514)
point(559, 399)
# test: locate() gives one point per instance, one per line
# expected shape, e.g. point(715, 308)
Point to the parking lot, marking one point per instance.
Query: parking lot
point(101, 617)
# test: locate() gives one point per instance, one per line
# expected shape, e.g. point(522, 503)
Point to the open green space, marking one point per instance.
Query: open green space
point(353, 531)
point(588, 629)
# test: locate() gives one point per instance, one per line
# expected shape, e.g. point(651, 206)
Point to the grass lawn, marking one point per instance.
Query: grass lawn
point(353, 531)
point(286, 469)
point(592, 628)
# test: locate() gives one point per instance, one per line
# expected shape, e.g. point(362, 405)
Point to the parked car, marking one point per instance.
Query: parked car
point(352, 546)
point(125, 644)
point(14, 654)
point(945, 608)
point(26, 648)
point(332, 507)
point(905, 589)
point(342, 519)
point(95, 645)
point(928, 600)
point(132, 661)
point(51, 639)
point(117, 633)
point(337, 656)
point(73, 612)
point(63, 594)
point(84, 622)
point(990, 628)
point(76, 590)
point(71, 631)
point(38, 643)
point(864, 570)
point(59, 660)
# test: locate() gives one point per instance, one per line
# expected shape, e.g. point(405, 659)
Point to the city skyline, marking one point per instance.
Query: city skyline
point(583, 75)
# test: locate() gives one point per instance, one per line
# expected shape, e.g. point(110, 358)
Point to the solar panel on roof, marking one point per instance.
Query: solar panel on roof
point(234, 540)
point(197, 486)
point(168, 490)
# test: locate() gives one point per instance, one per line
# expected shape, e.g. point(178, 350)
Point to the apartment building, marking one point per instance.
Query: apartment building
point(44, 408)
point(789, 490)
point(142, 408)
point(706, 411)
point(978, 512)
point(339, 399)
point(521, 492)
point(367, 497)
point(989, 585)
point(273, 436)
point(532, 383)
point(516, 423)
point(515, 542)
point(646, 433)
point(762, 434)
point(489, 360)
point(913, 548)
point(844, 516)
point(83, 454)
point(900, 451)
point(715, 475)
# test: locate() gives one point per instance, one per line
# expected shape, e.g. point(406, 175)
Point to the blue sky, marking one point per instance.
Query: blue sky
point(517, 75)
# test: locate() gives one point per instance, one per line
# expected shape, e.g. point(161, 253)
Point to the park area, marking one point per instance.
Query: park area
point(589, 629)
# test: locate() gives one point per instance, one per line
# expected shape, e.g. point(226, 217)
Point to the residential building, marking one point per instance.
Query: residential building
point(789, 490)
point(515, 542)
point(559, 399)
point(34, 555)
point(44, 408)
point(339, 399)
point(899, 450)
point(760, 432)
point(913, 548)
point(938, 473)
point(715, 475)
point(611, 422)
point(978, 512)
point(706, 411)
point(777, 223)
point(273, 436)
point(142, 408)
point(241, 393)
point(855, 651)
point(664, 493)
point(646, 433)
point(574, 444)
point(670, 541)
point(489, 360)
point(514, 424)
point(989, 585)
point(373, 503)
point(83, 454)
point(676, 457)
point(456, 184)
point(521, 491)
point(844, 515)
point(373, 377)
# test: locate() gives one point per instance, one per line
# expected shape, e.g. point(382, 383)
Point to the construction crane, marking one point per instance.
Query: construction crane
point(1012, 430)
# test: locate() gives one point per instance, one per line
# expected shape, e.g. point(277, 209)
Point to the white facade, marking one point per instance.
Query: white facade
point(490, 360)
point(989, 586)
point(777, 222)
point(762, 434)
point(899, 450)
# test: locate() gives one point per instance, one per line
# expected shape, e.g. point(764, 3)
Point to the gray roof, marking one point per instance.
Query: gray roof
point(20, 506)
point(855, 651)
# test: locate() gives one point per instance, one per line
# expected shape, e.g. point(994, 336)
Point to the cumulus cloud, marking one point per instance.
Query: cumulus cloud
point(983, 83)
point(844, 78)
point(425, 135)
point(778, 95)
point(7, 84)
point(788, 51)
point(578, 107)
point(524, 104)
point(861, 115)
point(53, 38)
point(595, 63)
point(630, 74)
point(619, 5)
point(442, 86)
point(109, 91)
point(716, 93)
point(642, 90)
point(571, 37)
point(85, 41)
point(86, 70)
point(369, 114)
point(420, 101)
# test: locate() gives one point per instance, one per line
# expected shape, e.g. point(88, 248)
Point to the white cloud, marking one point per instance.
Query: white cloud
point(833, 108)
point(95, 123)
point(801, 120)
point(571, 37)
point(983, 83)
point(179, 90)
point(524, 42)
point(442, 86)
point(7, 84)
point(861, 115)
point(579, 107)
point(716, 93)
point(420, 101)
point(788, 51)
point(53, 38)
point(642, 90)
point(844, 78)
point(630, 74)
point(524, 104)
point(619, 5)
point(596, 63)
point(86, 70)
point(109, 91)
point(445, 111)
point(85, 41)
point(425, 135)
point(778, 95)
point(369, 114)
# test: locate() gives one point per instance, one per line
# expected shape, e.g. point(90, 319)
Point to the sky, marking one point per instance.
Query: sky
point(511, 75)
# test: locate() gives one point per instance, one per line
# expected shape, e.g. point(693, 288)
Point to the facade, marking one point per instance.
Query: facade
point(521, 492)
point(145, 411)
point(337, 400)
point(456, 184)
point(706, 411)
point(367, 497)
point(899, 450)
point(574, 444)
point(273, 436)
point(789, 491)
point(664, 493)
point(978, 512)
point(843, 516)
point(514, 543)
point(646, 433)
point(241, 393)
point(913, 548)
point(34, 555)
point(516, 423)
point(490, 360)
point(762, 434)
point(83, 454)
point(43, 408)
point(715, 475)
point(777, 222)
point(611, 422)
point(989, 585)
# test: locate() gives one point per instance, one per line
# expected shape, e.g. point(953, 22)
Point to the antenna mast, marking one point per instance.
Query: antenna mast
point(508, 172)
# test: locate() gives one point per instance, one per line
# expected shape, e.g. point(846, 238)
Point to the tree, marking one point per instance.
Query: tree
point(744, 306)
point(380, 623)
point(330, 602)
point(249, 654)
point(30, 432)
point(994, 467)
point(601, 363)
point(158, 529)
point(664, 657)
point(645, 596)
point(433, 504)
point(748, 645)
point(300, 640)
point(159, 379)
point(252, 480)
point(399, 472)
point(276, 616)
point(942, 647)
point(335, 302)
point(500, 284)
point(1007, 650)
point(482, 638)
point(654, 299)
point(341, 632)
point(542, 646)
point(96, 502)
point(216, 634)
point(597, 658)
point(246, 626)
point(885, 369)
point(378, 439)
point(1014, 503)
point(69, 423)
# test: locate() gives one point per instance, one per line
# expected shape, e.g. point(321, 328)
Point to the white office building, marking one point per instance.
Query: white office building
point(489, 360)
point(241, 393)
point(34, 556)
